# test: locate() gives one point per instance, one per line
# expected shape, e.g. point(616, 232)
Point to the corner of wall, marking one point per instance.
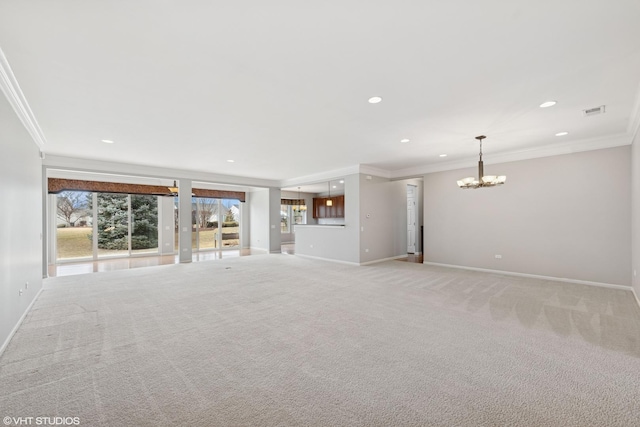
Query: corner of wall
point(635, 213)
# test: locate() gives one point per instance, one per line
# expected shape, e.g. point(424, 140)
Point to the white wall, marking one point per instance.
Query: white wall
point(565, 216)
point(635, 216)
point(21, 219)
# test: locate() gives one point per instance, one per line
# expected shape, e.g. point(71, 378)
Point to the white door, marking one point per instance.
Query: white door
point(411, 219)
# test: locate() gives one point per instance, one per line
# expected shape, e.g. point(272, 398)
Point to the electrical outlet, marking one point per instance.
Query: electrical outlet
point(366, 250)
point(20, 293)
point(498, 256)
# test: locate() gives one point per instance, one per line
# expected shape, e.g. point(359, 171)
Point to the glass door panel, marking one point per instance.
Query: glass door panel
point(230, 212)
point(207, 223)
point(73, 225)
point(113, 224)
point(144, 224)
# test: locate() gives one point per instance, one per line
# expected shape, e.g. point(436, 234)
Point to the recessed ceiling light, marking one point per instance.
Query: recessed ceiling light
point(106, 141)
point(548, 104)
point(335, 186)
point(443, 155)
point(342, 181)
point(374, 100)
point(230, 161)
point(562, 133)
point(404, 140)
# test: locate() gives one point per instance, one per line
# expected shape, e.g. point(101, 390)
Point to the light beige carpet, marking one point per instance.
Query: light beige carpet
point(278, 340)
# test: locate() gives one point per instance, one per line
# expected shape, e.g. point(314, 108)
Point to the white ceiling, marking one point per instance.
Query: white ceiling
point(282, 87)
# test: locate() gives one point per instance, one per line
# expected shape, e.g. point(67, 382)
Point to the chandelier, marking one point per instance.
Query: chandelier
point(482, 180)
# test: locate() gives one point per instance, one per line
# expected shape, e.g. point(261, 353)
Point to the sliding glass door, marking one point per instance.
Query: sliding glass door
point(100, 225)
point(215, 223)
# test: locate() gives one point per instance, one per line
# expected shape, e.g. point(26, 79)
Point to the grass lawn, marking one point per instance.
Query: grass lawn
point(73, 242)
point(208, 236)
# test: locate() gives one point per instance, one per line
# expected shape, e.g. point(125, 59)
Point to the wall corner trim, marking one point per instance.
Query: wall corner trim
point(534, 276)
point(634, 118)
point(5, 344)
point(635, 294)
point(11, 89)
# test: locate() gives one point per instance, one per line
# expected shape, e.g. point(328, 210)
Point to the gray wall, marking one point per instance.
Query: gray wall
point(635, 221)
point(258, 207)
point(274, 220)
point(167, 225)
point(565, 216)
point(21, 220)
point(383, 219)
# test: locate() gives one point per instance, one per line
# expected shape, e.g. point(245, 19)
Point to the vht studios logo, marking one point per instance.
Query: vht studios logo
point(41, 421)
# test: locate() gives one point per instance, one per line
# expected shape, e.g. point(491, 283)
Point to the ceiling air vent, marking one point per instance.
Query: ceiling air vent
point(593, 111)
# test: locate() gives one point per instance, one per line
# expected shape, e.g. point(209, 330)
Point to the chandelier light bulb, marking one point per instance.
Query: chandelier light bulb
point(482, 180)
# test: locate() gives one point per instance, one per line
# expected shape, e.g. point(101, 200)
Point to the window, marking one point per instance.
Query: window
point(291, 215)
point(285, 219)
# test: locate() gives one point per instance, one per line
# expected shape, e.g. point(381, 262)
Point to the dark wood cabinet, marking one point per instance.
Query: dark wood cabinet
point(321, 210)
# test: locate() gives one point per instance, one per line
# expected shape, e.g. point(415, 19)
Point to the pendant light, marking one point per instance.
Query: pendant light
point(329, 201)
point(482, 180)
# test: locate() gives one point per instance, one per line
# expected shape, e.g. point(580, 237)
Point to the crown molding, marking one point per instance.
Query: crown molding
point(534, 153)
point(321, 176)
point(370, 170)
point(14, 95)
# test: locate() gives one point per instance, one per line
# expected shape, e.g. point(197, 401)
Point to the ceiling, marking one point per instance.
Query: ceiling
point(282, 88)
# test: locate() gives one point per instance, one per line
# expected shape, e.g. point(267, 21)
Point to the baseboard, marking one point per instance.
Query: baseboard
point(384, 259)
point(253, 248)
point(353, 263)
point(533, 276)
point(327, 259)
point(15, 328)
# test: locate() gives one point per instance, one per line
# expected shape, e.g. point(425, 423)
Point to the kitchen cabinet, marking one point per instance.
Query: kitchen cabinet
point(321, 210)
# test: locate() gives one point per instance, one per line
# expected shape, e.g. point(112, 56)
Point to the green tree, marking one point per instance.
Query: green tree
point(113, 218)
point(71, 206)
point(144, 216)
